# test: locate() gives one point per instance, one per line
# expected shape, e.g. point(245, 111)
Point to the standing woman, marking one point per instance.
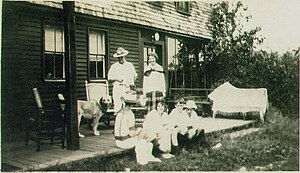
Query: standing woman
point(154, 86)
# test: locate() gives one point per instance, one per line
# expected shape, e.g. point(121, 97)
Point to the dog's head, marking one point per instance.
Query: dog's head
point(105, 102)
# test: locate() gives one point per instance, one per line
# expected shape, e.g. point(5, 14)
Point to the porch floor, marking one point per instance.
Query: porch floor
point(16, 157)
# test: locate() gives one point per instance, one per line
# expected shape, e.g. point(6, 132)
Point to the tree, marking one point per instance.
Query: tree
point(231, 48)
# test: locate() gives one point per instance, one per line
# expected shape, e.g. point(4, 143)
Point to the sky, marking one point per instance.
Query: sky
point(279, 21)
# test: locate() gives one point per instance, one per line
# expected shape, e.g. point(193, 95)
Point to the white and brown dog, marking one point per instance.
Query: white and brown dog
point(93, 110)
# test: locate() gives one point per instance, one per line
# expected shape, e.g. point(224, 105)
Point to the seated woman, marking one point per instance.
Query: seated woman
point(190, 119)
point(156, 122)
point(128, 137)
point(175, 120)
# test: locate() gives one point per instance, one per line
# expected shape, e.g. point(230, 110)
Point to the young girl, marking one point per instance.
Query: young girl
point(157, 123)
point(175, 119)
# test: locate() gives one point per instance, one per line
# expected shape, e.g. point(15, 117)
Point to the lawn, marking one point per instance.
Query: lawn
point(274, 148)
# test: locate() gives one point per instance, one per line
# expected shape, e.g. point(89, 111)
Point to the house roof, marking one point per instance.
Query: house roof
point(164, 17)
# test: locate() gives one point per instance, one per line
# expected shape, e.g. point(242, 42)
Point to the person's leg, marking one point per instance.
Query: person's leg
point(202, 137)
point(118, 92)
point(140, 152)
point(153, 99)
point(116, 97)
point(165, 144)
point(143, 150)
point(149, 101)
point(174, 137)
point(191, 133)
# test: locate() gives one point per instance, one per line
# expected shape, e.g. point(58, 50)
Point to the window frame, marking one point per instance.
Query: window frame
point(106, 56)
point(182, 10)
point(155, 3)
point(55, 25)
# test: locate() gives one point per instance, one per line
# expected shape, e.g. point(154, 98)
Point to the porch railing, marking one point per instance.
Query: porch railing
point(199, 94)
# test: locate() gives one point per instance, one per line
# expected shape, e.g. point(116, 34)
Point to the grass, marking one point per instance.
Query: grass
point(274, 148)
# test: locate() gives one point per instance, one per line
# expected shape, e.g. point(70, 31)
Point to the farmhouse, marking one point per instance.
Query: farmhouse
point(34, 49)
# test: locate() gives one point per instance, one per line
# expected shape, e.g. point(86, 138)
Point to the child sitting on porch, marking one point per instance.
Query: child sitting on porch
point(128, 137)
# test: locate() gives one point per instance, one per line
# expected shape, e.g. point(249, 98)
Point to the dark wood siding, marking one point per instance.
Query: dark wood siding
point(22, 46)
point(22, 59)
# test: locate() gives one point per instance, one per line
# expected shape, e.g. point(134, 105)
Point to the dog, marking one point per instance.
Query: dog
point(93, 110)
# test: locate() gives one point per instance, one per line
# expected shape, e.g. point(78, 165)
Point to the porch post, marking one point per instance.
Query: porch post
point(71, 76)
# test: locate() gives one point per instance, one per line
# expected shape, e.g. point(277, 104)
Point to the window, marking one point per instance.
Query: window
point(173, 48)
point(183, 7)
point(97, 55)
point(54, 57)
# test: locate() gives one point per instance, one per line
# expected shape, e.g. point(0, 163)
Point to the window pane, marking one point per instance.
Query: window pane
point(186, 6)
point(100, 69)
point(92, 69)
point(93, 42)
point(183, 6)
point(101, 44)
point(145, 55)
point(171, 50)
point(49, 38)
point(59, 40)
point(49, 66)
point(59, 66)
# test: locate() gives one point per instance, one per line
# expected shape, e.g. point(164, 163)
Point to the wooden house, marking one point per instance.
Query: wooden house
point(33, 45)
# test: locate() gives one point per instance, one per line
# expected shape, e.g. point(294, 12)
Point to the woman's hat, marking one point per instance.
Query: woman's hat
point(190, 104)
point(120, 52)
point(129, 97)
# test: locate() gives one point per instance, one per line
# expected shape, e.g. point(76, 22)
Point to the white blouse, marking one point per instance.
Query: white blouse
point(155, 81)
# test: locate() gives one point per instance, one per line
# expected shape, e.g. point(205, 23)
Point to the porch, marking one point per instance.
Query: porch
point(16, 157)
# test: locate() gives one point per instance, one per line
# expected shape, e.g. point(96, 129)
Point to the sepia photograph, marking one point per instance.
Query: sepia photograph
point(130, 86)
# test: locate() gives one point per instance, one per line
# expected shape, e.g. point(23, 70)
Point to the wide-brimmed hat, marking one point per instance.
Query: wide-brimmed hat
point(120, 52)
point(190, 104)
point(129, 97)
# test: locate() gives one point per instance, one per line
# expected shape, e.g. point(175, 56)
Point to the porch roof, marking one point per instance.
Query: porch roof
point(164, 17)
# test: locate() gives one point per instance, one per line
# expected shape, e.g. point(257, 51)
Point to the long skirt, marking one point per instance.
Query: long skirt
point(152, 98)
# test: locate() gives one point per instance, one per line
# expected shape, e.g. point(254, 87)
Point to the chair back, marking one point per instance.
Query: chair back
point(94, 91)
point(37, 98)
point(61, 100)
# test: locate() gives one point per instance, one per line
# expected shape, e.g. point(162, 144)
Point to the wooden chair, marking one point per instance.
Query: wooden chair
point(45, 126)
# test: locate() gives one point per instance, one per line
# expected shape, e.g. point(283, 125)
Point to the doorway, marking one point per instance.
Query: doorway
point(150, 47)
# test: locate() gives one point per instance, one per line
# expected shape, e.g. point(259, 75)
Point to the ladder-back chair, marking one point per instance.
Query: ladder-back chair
point(44, 126)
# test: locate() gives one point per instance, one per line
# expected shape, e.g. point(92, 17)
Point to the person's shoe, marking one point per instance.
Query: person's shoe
point(143, 162)
point(154, 159)
point(167, 155)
